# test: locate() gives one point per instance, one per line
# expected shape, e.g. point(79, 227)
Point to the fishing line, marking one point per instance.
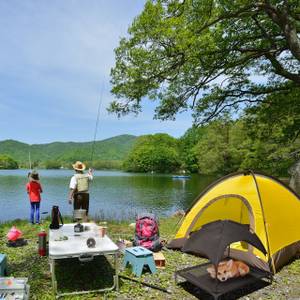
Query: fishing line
point(29, 157)
point(97, 122)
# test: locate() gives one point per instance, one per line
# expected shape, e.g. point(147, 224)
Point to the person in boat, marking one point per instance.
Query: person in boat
point(34, 190)
point(79, 187)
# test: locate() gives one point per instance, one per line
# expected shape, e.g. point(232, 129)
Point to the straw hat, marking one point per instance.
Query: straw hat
point(79, 166)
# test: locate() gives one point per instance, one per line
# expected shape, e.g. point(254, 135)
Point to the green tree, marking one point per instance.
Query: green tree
point(273, 129)
point(7, 162)
point(52, 164)
point(221, 149)
point(105, 164)
point(186, 145)
point(158, 152)
point(207, 56)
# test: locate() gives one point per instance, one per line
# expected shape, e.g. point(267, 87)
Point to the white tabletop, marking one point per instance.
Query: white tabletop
point(75, 245)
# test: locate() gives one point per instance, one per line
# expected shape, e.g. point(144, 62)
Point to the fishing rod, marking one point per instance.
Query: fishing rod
point(97, 122)
point(29, 157)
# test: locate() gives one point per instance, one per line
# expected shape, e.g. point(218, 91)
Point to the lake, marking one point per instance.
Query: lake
point(113, 194)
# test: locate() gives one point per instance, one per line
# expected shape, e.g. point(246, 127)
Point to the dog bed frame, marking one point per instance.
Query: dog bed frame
point(198, 276)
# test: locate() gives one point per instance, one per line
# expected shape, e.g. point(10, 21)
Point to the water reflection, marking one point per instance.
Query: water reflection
point(114, 194)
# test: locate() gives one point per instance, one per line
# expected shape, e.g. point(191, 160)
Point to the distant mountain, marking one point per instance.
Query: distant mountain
point(115, 149)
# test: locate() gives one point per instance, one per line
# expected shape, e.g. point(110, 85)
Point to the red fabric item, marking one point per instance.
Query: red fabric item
point(34, 190)
point(147, 229)
point(14, 234)
point(146, 244)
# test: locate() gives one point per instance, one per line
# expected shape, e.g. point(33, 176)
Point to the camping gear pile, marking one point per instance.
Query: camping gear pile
point(257, 204)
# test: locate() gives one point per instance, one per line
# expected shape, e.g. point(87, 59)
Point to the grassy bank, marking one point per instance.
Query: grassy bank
point(25, 262)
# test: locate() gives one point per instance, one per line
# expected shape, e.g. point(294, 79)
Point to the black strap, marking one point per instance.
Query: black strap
point(61, 219)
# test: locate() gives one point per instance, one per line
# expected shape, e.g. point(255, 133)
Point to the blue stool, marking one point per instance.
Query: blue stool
point(138, 257)
point(3, 265)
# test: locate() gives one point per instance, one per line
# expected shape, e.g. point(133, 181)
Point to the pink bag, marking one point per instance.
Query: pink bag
point(14, 234)
point(146, 232)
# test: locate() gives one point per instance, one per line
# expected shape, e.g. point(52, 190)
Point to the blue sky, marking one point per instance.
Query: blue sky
point(54, 57)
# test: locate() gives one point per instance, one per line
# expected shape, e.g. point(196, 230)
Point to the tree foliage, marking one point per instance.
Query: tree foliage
point(263, 139)
point(219, 151)
point(210, 56)
point(7, 162)
point(186, 147)
point(157, 153)
point(273, 129)
point(52, 164)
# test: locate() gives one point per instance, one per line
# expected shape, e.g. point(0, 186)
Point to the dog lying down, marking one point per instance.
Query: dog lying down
point(229, 269)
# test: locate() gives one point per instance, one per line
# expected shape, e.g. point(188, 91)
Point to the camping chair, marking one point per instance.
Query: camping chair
point(211, 241)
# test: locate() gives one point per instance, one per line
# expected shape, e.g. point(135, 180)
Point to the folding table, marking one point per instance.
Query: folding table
point(65, 243)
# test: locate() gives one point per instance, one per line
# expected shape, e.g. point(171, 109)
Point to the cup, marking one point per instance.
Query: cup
point(102, 231)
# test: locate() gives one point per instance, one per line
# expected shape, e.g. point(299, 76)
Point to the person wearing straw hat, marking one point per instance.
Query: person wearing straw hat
point(79, 187)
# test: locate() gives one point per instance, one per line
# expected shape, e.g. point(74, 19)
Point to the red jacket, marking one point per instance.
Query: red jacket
point(34, 190)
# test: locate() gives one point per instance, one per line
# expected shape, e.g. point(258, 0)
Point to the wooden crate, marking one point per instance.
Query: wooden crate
point(160, 261)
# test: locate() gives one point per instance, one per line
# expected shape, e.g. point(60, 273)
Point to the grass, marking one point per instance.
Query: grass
point(25, 262)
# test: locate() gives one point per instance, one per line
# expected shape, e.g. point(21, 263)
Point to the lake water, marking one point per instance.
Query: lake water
point(113, 194)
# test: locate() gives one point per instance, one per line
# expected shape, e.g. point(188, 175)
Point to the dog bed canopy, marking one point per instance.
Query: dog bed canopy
point(213, 238)
point(211, 241)
point(269, 207)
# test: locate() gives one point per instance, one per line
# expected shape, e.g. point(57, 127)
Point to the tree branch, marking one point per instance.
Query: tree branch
point(278, 69)
point(282, 19)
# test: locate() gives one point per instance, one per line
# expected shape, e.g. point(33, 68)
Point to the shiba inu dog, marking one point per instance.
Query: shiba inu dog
point(229, 269)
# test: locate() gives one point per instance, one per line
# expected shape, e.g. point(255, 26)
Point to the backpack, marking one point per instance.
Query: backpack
point(55, 217)
point(147, 232)
point(82, 181)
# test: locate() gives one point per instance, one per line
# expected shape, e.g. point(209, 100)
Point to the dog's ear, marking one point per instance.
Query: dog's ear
point(229, 263)
point(211, 270)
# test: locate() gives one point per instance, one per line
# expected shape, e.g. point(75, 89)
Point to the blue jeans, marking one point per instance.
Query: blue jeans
point(35, 208)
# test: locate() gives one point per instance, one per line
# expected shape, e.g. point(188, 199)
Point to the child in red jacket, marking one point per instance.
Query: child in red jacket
point(34, 190)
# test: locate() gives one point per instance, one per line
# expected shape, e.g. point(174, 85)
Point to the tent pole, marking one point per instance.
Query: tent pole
point(270, 259)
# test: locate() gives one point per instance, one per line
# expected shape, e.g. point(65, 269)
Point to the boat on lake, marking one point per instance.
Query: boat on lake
point(181, 176)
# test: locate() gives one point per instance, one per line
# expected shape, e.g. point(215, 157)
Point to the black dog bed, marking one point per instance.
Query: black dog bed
point(199, 277)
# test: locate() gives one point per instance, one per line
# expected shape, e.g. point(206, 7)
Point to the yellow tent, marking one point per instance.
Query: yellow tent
point(270, 207)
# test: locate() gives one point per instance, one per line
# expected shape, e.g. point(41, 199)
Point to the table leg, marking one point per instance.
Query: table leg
point(116, 277)
point(114, 286)
point(53, 277)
